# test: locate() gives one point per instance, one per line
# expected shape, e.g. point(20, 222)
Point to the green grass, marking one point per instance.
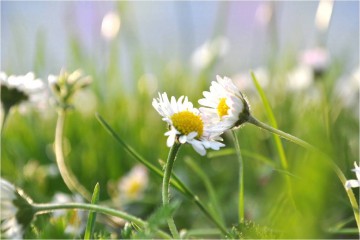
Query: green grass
point(318, 201)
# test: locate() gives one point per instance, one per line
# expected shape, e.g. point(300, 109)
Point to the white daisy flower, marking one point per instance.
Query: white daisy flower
point(225, 105)
point(76, 218)
point(133, 184)
point(16, 211)
point(354, 183)
point(187, 124)
point(19, 89)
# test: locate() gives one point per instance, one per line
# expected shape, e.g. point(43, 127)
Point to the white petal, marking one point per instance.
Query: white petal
point(198, 147)
point(171, 139)
point(352, 184)
point(182, 139)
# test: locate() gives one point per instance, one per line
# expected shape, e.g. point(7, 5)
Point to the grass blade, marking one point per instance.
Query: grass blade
point(92, 215)
point(273, 122)
point(209, 187)
point(246, 153)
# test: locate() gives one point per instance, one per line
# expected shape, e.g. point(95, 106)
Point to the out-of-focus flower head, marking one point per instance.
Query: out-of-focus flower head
point(75, 219)
point(224, 104)
point(317, 59)
point(300, 78)
point(66, 85)
point(131, 187)
point(16, 211)
point(110, 25)
point(20, 89)
point(207, 53)
point(354, 183)
point(187, 124)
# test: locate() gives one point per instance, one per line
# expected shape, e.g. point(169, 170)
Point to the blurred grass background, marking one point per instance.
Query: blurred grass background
point(152, 53)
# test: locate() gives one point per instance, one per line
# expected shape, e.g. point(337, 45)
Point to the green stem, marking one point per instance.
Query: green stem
point(285, 135)
point(68, 177)
point(46, 208)
point(6, 114)
point(241, 205)
point(166, 183)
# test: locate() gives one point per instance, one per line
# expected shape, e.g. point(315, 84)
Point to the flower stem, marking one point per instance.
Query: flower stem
point(5, 115)
point(68, 177)
point(241, 205)
point(166, 183)
point(46, 208)
point(285, 135)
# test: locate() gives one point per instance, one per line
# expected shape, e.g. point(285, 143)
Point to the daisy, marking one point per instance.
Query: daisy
point(20, 89)
point(354, 183)
point(16, 211)
point(133, 184)
point(224, 104)
point(76, 219)
point(187, 124)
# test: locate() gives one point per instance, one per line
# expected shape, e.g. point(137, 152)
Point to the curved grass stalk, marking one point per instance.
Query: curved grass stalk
point(70, 180)
point(47, 208)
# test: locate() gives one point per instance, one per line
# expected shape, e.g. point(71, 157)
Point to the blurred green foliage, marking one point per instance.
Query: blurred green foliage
point(320, 201)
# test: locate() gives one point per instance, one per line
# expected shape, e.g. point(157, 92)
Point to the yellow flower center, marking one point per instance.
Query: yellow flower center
point(134, 188)
point(222, 108)
point(187, 122)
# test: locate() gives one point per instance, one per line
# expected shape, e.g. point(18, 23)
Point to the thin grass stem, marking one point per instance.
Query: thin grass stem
point(47, 208)
point(280, 133)
point(241, 207)
point(166, 183)
point(5, 117)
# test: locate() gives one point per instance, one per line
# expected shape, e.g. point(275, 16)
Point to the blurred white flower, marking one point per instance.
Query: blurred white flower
point(132, 186)
point(187, 124)
point(76, 219)
point(354, 183)
point(317, 59)
point(16, 211)
point(22, 89)
point(224, 104)
point(110, 25)
point(300, 78)
point(204, 55)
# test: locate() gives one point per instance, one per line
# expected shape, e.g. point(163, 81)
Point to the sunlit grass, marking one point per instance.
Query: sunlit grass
point(289, 191)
